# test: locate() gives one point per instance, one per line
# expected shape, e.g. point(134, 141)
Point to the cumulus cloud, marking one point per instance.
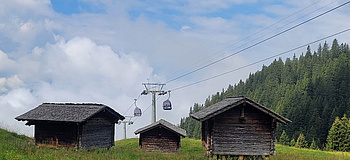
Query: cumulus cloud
point(77, 70)
point(105, 57)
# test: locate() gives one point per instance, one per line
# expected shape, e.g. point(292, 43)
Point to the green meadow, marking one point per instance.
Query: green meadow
point(14, 146)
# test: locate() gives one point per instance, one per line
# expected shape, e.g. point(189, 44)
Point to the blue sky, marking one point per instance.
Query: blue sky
point(102, 51)
point(70, 7)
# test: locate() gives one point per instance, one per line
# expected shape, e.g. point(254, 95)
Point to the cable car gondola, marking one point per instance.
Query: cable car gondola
point(167, 104)
point(137, 110)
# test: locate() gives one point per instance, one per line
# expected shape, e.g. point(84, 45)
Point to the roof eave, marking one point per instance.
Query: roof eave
point(225, 108)
point(158, 123)
point(120, 117)
point(243, 100)
point(268, 112)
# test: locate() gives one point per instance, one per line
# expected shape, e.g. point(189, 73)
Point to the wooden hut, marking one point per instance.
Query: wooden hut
point(87, 126)
point(238, 126)
point(161, 136)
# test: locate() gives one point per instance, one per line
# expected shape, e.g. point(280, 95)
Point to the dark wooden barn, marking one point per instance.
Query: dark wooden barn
point(86, 126)
point(161, 136)
point(238, 126)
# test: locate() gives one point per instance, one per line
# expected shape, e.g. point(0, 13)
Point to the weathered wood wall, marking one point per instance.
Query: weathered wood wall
point(235, 135)
point(97, 132)
point(56, 133)
point(160, 138)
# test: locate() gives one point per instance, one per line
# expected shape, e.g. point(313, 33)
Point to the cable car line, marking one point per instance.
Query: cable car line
point(145, 110)
point(262, 41)
point(274, 56)
point(283, 26)
point(251, 46)
point(251, 35)
point(132, 104)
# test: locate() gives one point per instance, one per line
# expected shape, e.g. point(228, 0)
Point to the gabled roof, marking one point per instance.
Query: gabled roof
point(165, 124)
point(232, 102)
point(68, 112)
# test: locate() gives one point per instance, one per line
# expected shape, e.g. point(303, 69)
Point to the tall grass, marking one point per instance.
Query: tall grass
point(14, 146)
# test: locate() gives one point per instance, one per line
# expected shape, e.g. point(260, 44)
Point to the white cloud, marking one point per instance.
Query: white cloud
point(5, 62)
point(208, 6)
point(3, 85)
point(13, 82)
point(183, 28)
point(19, 98)
point(104, 58)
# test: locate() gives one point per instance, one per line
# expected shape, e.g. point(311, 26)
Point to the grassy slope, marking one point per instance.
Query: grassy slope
point(13, 146)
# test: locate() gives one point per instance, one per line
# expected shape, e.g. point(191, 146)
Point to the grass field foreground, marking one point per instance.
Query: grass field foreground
point(14, 146)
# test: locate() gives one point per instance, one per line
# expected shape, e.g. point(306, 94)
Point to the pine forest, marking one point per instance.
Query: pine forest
point(312, 90)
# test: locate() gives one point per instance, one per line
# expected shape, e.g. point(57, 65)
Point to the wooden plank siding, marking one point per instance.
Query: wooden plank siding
point(59, 134)
point(97, 132)
point(238, 126)
point(161, 139)
point(81, 125)
point(247, 134)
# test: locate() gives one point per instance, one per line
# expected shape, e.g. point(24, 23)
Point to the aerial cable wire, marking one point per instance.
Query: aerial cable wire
point(262, 60)
point(284, 25)
point(251, 35)
point(262, 41)
point(132, 104)
point(146, 109)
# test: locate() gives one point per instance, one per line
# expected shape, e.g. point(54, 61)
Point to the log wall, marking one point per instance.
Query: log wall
point(243, 132)
point(54, 133)
point(160, 138)
point(97, 132)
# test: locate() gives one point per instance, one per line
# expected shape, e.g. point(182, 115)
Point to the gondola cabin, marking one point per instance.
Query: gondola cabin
point(167, 105)
point(137, 112)
point(161, 136)
point(87, 126)
point(238, 126)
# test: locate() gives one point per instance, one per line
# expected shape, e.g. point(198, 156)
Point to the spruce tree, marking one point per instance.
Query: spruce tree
point(301, 142)
point(333, 139)
point(338, 137)
point(313, 144)
point(292, 143)
point(284, 138)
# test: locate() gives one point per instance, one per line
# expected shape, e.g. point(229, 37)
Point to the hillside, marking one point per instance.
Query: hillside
point(13, 146)
point(311, 90)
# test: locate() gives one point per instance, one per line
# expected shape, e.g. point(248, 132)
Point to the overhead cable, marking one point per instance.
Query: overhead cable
point(251, 35)
point(274, 56)
point(262, 41)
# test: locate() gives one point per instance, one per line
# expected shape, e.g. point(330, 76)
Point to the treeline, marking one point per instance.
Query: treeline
point(311, 90)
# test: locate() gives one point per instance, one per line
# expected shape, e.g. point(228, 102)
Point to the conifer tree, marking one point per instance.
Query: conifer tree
point(292, 143)
point(313, 144)
point(301, 142)
point(338, 137)
point(284, 138)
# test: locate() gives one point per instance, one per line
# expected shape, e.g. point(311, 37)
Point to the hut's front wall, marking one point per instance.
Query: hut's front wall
point(55, 133)
point(161, 139)
point(97, 132)
point(235, 135)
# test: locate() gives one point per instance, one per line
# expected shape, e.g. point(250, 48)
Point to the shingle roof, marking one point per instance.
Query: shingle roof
point(67, 112)
point(232, 102)
point(164, 123)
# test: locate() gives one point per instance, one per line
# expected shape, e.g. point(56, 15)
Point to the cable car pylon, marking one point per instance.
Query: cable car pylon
point(153, 88)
